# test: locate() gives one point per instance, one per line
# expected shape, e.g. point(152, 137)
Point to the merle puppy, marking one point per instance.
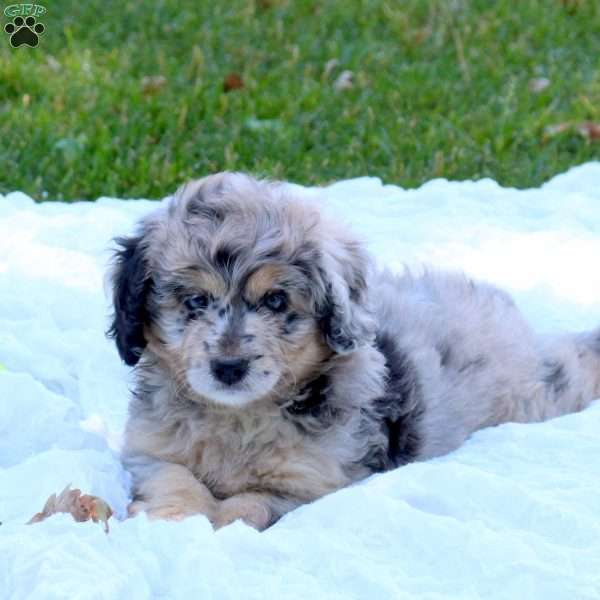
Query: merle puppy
point(275, 366)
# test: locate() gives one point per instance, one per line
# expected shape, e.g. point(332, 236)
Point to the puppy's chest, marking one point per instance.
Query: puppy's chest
point(260, 453)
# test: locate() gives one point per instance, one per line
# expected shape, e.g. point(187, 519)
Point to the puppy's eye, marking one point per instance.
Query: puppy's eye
point(196, 302)
point(276, 301)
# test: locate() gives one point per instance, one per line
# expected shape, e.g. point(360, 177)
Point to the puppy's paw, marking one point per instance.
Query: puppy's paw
point(251, 511)
point(168, 512)
point(136, 507)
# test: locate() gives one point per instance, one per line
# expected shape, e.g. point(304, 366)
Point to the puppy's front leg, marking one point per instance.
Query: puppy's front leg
point(169, 491)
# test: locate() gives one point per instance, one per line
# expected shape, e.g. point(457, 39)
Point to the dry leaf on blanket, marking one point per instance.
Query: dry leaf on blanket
point(81, 507)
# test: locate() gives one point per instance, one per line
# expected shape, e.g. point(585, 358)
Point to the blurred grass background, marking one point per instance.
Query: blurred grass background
point(127, 99)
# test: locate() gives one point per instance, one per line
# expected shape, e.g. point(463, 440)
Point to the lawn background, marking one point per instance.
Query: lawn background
point(441, 89)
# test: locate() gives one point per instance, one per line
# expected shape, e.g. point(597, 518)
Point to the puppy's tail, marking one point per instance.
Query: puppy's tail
point(570, 372)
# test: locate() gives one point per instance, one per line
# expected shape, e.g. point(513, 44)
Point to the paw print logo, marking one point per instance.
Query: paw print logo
point(24, 31)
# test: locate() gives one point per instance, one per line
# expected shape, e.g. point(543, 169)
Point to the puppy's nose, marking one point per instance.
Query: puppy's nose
point(229, 370)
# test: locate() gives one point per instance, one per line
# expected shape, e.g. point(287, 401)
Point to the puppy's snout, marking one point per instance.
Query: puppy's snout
point(229, 370)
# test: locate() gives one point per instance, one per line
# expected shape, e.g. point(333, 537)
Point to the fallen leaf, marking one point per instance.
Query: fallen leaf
point(589, 130)
point(233, 81)
point(101, 511)
point(538, 84)
point(345, 81)
point(422, 34)
point(80, 507)
point(152, 84)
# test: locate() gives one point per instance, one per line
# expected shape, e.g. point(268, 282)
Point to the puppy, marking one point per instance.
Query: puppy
point(274, 365)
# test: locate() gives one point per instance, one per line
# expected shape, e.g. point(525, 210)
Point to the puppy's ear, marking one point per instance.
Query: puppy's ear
point(131, 285)
point(344, 315)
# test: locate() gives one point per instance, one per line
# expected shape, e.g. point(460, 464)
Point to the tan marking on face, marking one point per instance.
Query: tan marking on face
point(205, 281)
point(304, 359)
point(262, 281)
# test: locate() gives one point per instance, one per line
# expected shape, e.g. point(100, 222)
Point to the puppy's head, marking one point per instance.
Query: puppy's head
point(242, 290)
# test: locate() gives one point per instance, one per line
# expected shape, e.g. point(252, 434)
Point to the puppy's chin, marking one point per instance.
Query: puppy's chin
point(240, 394)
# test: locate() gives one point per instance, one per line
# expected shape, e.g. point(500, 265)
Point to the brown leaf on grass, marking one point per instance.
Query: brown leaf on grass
point(80, 507)
point(233, 81)
point(153, 84)
point(421, 35)
point(590, 131)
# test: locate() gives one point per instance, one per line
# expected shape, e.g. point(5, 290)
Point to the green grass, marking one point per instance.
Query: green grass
point(440, 90)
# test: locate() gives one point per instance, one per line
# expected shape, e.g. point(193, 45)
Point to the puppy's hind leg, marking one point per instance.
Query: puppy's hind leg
point(570, 372)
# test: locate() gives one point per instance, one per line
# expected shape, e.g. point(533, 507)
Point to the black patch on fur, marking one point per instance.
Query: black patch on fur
point(310, 411)
point(291, 323)
point(354, 294)
point(555, 376)
point(473, 365)
point(175, 288)
point(131, 288)
point(331, 324)
point(445, 353)
point(312, 398)
point(225, 258)
point(191, 316)
point(399, 411)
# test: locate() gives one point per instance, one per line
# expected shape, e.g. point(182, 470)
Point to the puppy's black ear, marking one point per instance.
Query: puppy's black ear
point(344, 315)
point(131, 284)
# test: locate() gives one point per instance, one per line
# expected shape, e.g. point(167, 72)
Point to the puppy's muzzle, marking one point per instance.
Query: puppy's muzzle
point(229, 370)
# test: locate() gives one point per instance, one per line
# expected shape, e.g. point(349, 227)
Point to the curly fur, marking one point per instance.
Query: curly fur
point(353, 372)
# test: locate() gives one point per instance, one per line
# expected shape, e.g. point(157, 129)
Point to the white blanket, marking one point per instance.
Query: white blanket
point(514, 513)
